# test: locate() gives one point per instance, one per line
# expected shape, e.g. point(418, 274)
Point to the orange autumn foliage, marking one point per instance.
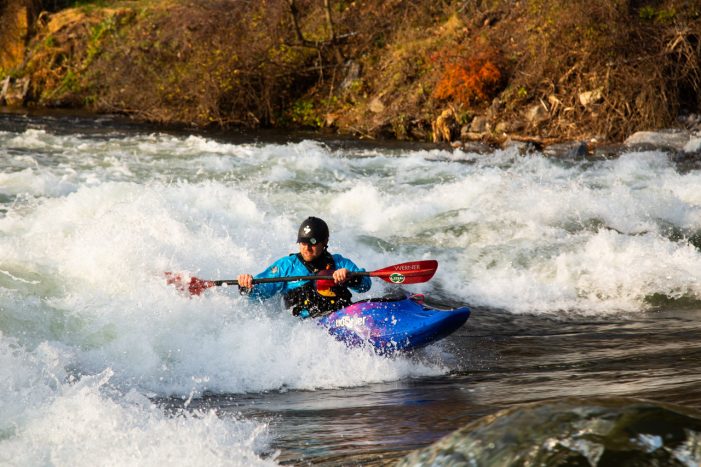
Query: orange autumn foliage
point(470, 80)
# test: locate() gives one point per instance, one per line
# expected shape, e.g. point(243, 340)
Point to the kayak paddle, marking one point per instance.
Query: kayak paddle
point(413, 272)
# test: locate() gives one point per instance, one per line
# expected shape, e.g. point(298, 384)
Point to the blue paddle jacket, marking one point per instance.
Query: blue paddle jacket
point(292, 266)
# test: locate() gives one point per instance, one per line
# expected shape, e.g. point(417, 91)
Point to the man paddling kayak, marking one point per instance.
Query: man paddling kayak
point(310, 298)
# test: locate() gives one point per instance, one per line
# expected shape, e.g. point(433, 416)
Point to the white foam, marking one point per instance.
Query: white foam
point(46, 420)
point(35, 183)
point(532, 244)
point(90, 226)
point(108, 247)
point(244, 200)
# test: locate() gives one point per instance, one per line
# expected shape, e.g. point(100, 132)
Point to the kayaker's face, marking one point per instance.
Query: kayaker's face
point(311, 252)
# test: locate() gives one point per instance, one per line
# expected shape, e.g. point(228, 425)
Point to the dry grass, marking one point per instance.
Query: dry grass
point(601, 69)
point(646, 70)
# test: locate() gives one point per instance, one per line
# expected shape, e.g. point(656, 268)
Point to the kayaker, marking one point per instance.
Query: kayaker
point(310, 298)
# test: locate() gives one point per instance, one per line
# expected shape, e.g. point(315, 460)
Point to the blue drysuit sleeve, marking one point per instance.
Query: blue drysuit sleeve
point(280, 268)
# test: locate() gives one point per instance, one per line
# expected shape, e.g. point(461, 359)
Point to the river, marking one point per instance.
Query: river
point(583, 276)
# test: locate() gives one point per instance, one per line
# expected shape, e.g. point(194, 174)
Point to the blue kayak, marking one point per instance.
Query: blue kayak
point(393, 324)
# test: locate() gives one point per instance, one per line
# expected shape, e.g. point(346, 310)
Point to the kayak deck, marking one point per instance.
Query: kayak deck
point(393, 324)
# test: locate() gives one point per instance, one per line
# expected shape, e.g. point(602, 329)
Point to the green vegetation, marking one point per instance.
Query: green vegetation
point(304, 113)
point(376, 68)
point(661, 15)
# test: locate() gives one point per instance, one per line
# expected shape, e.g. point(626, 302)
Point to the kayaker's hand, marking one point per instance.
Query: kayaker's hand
point(341, 275)
point(245, 282)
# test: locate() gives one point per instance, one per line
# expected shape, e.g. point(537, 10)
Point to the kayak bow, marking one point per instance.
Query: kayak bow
point(393, 324)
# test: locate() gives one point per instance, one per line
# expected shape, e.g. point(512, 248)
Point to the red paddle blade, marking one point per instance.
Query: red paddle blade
point(412, 272)
point(195, 286)
point(175, 279)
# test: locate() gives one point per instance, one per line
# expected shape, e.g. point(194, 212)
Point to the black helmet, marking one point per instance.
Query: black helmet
point(313, 230)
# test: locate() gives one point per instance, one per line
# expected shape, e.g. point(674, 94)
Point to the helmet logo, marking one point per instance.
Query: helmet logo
point(307, 230)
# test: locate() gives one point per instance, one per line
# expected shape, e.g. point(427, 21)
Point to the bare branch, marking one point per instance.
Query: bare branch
point(295, 23)
point(329, 21)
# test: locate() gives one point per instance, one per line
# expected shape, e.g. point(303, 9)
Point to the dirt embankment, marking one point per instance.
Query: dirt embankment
point(543, 70)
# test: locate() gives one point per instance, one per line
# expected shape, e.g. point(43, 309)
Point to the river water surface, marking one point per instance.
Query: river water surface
point(584, 278)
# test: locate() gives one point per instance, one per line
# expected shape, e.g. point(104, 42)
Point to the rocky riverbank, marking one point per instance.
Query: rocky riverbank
point(532, 71)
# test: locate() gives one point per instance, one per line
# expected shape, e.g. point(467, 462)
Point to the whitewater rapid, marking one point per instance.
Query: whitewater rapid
point(91, 334)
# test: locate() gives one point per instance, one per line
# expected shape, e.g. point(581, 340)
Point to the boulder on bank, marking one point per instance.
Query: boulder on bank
point(574, 150)
point(445, 126)
point(13, 92)
point(676, 140)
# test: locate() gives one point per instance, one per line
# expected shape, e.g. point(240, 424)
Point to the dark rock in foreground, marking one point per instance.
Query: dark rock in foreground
point(573, 432)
